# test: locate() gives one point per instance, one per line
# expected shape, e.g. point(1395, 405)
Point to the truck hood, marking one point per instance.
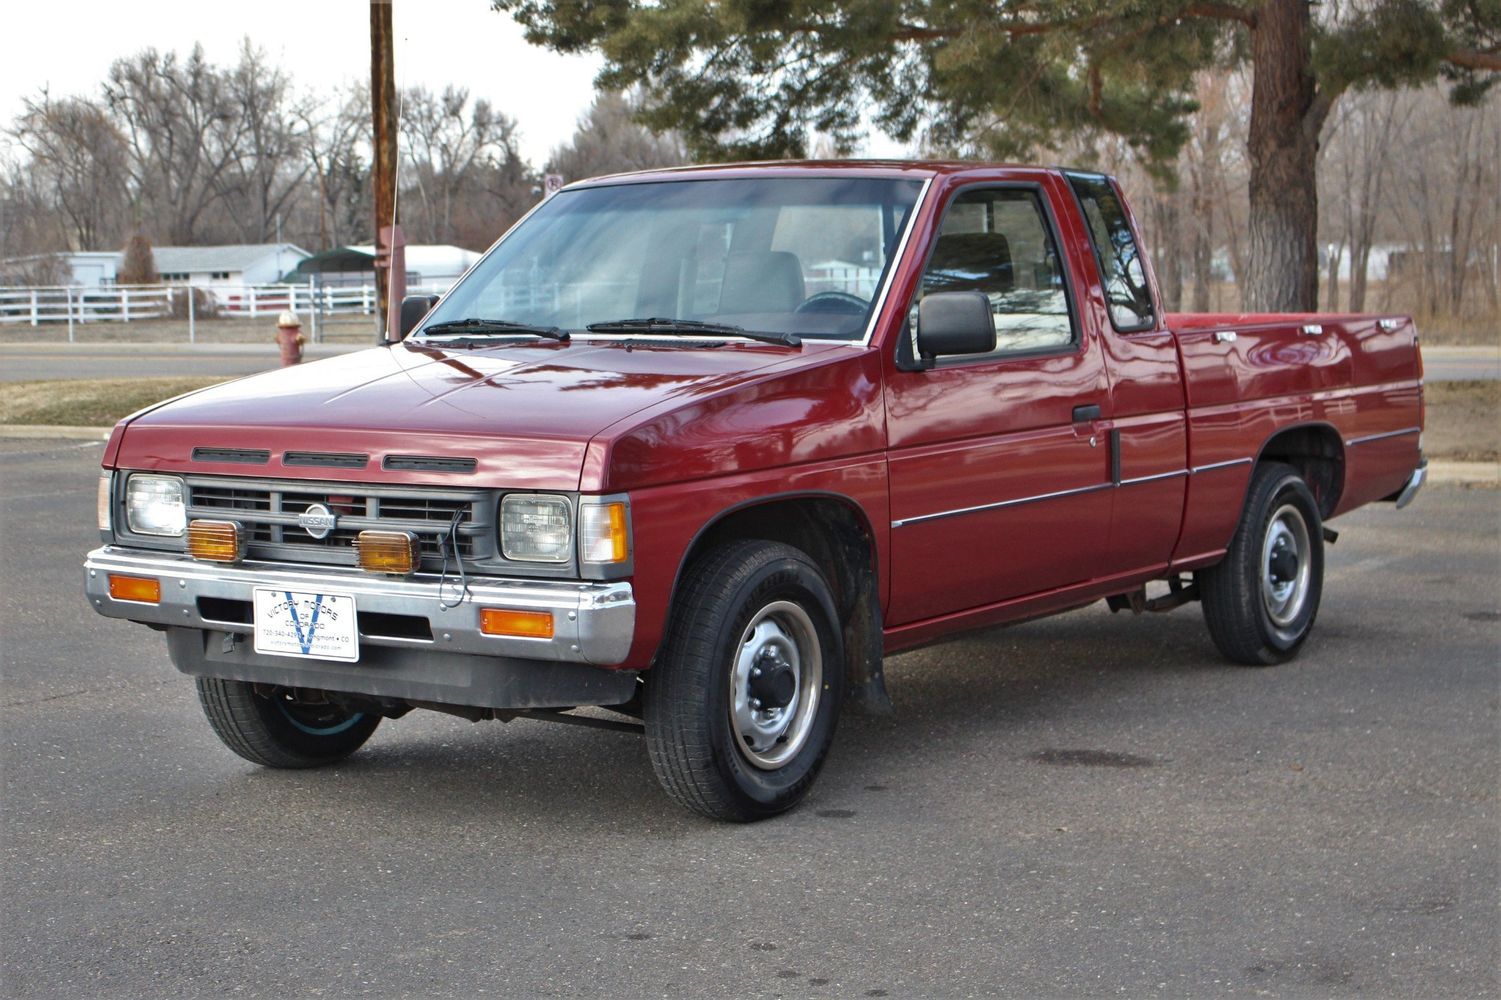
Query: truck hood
point(517, 415)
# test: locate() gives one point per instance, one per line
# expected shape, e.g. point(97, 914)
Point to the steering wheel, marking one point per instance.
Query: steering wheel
point(841, 303)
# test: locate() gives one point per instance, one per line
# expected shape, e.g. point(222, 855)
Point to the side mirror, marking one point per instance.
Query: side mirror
point(954, 323)
point(413, 308)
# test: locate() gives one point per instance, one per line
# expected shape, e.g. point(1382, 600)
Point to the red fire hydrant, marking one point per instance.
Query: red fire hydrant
point(289, 338)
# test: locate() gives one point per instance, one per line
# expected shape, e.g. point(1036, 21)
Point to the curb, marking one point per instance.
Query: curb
point(1464, 473)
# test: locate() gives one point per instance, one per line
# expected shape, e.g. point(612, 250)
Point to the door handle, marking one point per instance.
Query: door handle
point(1084, 414)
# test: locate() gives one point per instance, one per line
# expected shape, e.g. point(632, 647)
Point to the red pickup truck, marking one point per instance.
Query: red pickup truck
point(692, 450)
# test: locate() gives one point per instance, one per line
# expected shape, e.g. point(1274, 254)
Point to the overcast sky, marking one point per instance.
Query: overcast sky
point(69, 46)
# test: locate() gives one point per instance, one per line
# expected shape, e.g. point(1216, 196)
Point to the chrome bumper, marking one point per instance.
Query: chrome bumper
point(593, 623)
point(1419, 477)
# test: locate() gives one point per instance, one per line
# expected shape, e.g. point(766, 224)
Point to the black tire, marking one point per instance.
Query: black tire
point(1278, 549)
point(745, 606)
point(276, 732)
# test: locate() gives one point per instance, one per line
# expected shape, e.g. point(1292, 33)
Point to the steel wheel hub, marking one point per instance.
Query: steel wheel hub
point(1285, 565)
point(774, 684)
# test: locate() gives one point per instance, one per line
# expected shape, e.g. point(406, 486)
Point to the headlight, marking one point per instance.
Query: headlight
point(536, 528)
point(154, 505)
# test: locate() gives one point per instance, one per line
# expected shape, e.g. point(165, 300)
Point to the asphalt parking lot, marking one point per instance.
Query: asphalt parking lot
point(1085, 806)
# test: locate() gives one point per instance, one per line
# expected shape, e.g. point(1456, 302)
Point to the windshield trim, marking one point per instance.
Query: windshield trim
point(878, 305)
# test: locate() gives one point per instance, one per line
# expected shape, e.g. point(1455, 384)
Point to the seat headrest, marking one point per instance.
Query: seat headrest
point(769, 281)
point(966, 262)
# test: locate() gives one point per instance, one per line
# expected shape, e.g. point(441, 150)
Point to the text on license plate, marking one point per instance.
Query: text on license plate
point(299, 623)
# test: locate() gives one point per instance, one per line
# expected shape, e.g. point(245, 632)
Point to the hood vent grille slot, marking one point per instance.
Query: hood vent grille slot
point(325, 459)
point(235, 456)
point(428, 463)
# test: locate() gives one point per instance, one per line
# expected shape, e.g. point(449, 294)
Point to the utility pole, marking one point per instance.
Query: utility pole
point(383, 118)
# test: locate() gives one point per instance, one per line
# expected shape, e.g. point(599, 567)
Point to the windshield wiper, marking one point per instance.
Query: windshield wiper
point(657, 324)
point(475, 325)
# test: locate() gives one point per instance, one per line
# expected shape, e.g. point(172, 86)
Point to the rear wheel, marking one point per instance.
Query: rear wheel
point(278, 731)
point(740, 707)
point(1261, 600)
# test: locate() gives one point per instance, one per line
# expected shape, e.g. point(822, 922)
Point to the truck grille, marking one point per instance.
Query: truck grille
point(268, 511)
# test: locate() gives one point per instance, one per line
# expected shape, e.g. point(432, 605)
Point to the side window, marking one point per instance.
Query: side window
point(1121, 270)
point(998, 241)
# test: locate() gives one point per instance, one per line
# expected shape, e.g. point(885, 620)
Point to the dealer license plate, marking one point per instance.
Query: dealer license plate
point(302, 624)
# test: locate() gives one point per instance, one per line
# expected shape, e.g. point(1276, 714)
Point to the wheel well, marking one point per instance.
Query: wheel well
point(829, 531)
point(1316, 452)
point(835, 534)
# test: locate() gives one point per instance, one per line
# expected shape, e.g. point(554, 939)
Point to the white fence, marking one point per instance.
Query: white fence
point(138, 303)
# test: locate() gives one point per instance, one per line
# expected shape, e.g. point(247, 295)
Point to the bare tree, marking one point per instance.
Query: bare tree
point(271, 160)
point(1443, 209)
point(609, 140)
point(338, 151)
point(78, 157)
point(29, 234)
point(184, 133)
point(1356, 160)
point(448, 143)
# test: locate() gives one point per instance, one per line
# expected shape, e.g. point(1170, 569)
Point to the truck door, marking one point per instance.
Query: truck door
point(1148, 431)
point(999, 468)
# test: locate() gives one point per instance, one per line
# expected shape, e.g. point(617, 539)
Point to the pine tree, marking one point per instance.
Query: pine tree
point(754, 78)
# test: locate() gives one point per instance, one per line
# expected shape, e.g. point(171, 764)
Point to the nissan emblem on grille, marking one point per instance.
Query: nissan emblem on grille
point(317, 520)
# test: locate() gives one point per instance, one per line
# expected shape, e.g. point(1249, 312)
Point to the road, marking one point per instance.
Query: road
point(25, 362)
point(1089, 805)
point(28, 362)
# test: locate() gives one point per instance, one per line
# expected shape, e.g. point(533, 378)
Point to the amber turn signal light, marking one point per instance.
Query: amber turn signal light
point(604, 533)
point(216, 541)
point(521, 624)
point(395, 552)
point(143, 589)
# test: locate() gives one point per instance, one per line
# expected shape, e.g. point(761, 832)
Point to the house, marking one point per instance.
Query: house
point(218, 268)
point(87, 269)
point(430, 267)
point(225, 267)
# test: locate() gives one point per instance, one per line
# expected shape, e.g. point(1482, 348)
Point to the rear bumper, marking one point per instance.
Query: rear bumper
point(593, 622)
point(1414, 484)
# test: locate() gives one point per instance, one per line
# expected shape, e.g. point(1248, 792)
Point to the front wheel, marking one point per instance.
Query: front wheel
point(1261, 599)
point(275, 730)
point(740, 707)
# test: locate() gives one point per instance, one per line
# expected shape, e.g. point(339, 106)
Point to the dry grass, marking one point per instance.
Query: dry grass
point(337, 330)
point(88, 402)
point(1464, 418)
point(1464, 421)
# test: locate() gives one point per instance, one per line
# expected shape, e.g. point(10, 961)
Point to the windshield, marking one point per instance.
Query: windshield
point(786, 255)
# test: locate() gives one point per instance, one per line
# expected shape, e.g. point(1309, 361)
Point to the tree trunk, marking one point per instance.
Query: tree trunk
point(1203, 244)
point(1286, 115)
point(1360, 262)
point(1170, 250)
point(1336, 254)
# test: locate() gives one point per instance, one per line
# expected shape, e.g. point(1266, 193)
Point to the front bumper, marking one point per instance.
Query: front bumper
point(593, 622)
